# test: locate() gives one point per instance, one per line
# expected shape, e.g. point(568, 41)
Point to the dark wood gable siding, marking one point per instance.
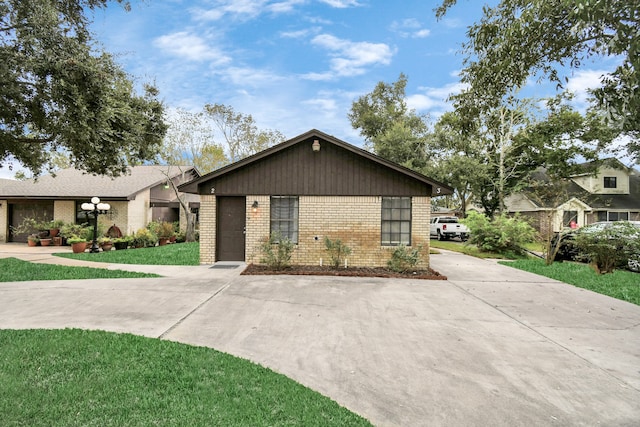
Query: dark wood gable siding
point(297, 170)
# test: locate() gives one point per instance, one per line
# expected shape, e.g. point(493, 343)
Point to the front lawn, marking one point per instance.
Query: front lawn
point(93, 378)
point(15, 270)
point(173, 254)
point(620, 284)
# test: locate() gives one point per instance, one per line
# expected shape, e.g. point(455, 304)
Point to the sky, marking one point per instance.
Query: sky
point(296, 65)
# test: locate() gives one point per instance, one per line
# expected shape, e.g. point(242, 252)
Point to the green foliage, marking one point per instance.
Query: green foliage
point(162, 229)
point(60, 94)
point(337, 250)
point(517, 40)
point(277, 251)
point(76, 230)
point(144, 238)
point(403, 259)
point(395, 132)
point(503, 234)
point(609, 247)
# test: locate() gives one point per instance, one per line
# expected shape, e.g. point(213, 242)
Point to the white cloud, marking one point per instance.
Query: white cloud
point(350, 58)
point(341, 4)
point(246, 76)
point(409, 28)
point(582, 81)
point(244, 10)
point(434, 99)
point(300, 33)
point(191, 47)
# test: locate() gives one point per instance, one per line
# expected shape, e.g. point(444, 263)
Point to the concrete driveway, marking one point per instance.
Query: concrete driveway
point(490, 346)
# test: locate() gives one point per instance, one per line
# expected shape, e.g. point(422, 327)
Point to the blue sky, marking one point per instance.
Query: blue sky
point(296, 64)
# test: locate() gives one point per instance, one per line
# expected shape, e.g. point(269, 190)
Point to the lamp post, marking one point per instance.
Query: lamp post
point(97, 208)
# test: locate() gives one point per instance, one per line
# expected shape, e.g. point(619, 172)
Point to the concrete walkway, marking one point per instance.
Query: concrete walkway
point(490, 346)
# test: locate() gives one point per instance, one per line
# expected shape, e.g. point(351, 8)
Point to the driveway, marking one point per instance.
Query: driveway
point(490, 346)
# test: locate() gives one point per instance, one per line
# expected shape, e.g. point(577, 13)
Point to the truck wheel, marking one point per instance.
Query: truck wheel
point(440, 236)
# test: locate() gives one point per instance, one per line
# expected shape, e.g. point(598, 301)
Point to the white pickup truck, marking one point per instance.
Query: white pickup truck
point(448, 227)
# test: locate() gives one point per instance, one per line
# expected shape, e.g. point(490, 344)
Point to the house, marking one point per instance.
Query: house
point(136, 199)
point(309, 187)
point(610, 194)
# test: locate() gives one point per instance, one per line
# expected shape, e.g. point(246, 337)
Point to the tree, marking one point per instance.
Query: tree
point(389, 127)
point(240, 132)
point(190, 140)
point(520, 39)
point(59, 94)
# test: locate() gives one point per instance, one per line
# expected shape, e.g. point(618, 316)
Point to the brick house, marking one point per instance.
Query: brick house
point(136, 199)
point(610, 193)
point(309, 187)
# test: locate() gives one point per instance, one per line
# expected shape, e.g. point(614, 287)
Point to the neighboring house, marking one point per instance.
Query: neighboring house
point(136, 198)
point(307, 188)
point(611, 194)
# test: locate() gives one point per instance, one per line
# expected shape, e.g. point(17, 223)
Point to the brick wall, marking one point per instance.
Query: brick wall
point(138, 212)
point(207, 229)
point(356, 221)
point(64, 210)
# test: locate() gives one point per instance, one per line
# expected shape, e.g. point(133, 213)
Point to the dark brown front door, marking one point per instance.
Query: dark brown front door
point(231, 228)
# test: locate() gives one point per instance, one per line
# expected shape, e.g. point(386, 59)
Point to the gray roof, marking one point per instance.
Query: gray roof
point(76, 184)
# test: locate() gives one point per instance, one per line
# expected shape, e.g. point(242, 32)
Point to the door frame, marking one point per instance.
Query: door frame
point(220, 211)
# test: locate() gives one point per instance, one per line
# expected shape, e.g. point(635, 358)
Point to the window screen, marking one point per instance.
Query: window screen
point(284, 217)
point(396, 221)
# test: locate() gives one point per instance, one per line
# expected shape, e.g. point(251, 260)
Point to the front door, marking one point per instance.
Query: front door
point(230, 230)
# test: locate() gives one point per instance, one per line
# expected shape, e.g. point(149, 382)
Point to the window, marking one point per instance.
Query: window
point(396, 221)
point(284, 217)
point(568, 217)
point(612, 216)
point(610, 182)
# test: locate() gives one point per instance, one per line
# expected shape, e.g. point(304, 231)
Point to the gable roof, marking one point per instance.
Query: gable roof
point(255, 161)
point(629, 201)
point(76, 184)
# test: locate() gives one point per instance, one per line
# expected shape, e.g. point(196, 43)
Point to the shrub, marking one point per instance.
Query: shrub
point(144, 238)
point(609, 247)
point(403, 259)
point(276, 251)
point(338, 251)
point(504, 234)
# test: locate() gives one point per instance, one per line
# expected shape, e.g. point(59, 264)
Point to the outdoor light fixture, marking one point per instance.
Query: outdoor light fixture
point(97, 208)
point(315, 146)
point(255, 206)
point(166, 186)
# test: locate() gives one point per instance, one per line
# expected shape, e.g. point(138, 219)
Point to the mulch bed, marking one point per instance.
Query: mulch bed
point(316, 270)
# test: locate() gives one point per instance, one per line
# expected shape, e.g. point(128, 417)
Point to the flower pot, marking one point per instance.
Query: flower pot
point(106, 247)
point(79, 247)
point(45, 242)
point(53, 232)
point(32, 242)
point(57, 241)
point(121, 245)
point(163, 241)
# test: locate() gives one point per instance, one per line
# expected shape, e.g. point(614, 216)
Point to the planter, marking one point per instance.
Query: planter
point(107, 247)
point(32, 242)
point(163, 241)
point(53, 232)
point(45, 242)
point(79, 247)
point(57, 241)
point(121, 245)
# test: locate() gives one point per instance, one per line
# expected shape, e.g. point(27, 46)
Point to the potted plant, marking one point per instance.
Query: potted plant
point(165, 231)
point(54, 227)
point(144, 238)
point(78, 244)
point(122, 242)
point(105, 243)
point(33, 240)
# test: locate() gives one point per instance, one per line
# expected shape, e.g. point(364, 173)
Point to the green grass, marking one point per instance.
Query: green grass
point(620, 284)
point(14, 270)
point(174, 254)
point(90, 378)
